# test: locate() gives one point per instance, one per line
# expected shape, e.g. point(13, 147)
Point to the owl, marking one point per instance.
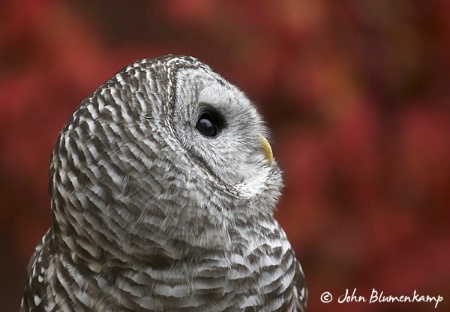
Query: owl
point(163, 187)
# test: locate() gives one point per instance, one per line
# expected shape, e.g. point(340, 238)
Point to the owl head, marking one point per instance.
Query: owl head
point(165, 158)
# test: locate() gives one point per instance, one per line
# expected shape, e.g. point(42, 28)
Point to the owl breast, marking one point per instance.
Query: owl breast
point(256, 271)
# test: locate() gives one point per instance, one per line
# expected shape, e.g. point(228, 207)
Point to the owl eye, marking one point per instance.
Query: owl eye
point(210, 123)
point(206, 125)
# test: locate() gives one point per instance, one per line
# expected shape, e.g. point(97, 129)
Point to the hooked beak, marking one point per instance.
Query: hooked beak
point(267, 149)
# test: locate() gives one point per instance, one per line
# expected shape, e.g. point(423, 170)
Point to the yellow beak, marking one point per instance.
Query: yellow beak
point(266, 148)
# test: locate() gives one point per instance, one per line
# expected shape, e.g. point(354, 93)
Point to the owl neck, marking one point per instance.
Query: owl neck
point(157, 241)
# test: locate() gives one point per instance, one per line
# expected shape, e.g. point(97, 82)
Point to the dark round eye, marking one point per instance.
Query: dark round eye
point(206, 125)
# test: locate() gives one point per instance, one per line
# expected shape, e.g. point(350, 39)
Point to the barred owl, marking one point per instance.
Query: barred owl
point(162, 189)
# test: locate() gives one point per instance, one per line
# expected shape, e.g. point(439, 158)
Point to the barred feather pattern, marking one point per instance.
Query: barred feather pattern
point(148, 215)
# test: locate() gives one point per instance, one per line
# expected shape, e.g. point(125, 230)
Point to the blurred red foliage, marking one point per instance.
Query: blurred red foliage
point(356, 93)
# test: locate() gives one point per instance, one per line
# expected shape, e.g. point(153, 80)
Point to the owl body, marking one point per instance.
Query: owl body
point(163, 188)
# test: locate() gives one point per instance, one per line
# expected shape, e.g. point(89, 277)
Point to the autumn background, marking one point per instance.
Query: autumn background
point(356, 93)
